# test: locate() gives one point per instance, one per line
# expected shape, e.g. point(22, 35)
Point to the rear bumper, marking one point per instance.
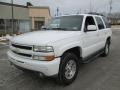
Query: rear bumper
point(47, 68)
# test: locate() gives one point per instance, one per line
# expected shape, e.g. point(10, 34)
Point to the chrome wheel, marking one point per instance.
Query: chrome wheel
point(70, 69)
point(107, 49)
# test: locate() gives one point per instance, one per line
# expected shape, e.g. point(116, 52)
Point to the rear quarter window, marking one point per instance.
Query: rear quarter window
point(106, 22)
point(100, 23)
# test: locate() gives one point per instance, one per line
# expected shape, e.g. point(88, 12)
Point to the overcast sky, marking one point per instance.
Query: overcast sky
point(73, 6)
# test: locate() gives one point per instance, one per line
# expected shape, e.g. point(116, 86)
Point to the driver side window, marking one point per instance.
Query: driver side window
point(89, 21)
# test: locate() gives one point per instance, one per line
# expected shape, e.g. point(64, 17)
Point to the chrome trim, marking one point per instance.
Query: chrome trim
point(22, 45)
point(22, 51)
point(21, 55)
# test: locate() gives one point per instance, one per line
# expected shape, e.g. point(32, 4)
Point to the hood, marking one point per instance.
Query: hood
point(42, 37)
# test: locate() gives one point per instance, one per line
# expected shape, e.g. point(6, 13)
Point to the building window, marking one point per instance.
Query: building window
point(2, 24)
point(38, 25)
point(39, 22)
point(24, 26)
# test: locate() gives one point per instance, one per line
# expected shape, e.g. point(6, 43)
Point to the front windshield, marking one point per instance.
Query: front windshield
point(66, 23)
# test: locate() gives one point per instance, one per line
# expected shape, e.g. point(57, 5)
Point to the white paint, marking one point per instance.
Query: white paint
point(61, 41)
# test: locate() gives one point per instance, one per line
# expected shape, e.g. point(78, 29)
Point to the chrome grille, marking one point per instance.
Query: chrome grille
point(26, 55)
point(22, 50)
point(22, 47)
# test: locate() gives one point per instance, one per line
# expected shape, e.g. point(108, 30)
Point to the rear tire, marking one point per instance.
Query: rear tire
point(68, 69)
point(106, 49)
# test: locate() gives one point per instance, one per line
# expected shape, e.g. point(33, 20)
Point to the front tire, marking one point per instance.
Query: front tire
point(68, 68)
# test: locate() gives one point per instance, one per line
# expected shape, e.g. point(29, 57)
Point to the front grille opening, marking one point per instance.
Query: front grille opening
point(22, 47)
point(26, 55)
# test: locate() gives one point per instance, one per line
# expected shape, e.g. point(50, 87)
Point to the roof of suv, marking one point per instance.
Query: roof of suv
point(81, 14)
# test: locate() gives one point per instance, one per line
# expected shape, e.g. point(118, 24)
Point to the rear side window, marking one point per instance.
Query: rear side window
point(106, 22)
point(100, 23)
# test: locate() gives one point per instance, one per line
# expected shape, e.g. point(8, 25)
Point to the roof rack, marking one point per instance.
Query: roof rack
point(95, 13)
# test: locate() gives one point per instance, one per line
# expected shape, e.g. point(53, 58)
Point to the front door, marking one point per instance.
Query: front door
point(90, 38)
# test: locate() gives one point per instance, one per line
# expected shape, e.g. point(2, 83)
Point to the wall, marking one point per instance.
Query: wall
point(39, 12)
point(21, 19)
point(19, 12)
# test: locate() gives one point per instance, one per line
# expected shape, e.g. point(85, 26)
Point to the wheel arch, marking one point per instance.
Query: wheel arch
point(109, 39)
point(76, 50)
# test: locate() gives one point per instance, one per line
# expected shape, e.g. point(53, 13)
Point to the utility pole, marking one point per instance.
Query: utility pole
point(90, 6)
point(12, 17)
point(85, 11)
point(110, 3)
point(110, 10)
point(79, 11)
point(57, 14)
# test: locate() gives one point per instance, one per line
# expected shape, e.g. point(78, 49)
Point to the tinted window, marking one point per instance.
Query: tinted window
point(100, 23)
point(66, 23)
point(89, 21)
point(106, 22)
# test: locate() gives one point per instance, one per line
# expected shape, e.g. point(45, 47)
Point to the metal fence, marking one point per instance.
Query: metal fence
point(20, 26)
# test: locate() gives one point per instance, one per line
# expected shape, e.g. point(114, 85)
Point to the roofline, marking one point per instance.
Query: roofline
point(9, 4)
point(80, 15)
point(41, 7)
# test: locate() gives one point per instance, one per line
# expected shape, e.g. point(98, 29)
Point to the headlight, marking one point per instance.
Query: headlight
point(43, 49)
point(43, 58)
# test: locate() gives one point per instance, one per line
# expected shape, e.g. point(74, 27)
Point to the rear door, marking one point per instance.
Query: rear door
point(102, 31)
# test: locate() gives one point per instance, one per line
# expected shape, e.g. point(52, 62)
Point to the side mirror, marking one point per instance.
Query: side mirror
point(91, 28)
point(43, 27)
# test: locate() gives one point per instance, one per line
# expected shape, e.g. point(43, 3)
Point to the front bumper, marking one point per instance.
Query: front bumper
point(48, 68)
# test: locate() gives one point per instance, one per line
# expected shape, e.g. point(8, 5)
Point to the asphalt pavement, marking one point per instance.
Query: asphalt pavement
point(100, 74)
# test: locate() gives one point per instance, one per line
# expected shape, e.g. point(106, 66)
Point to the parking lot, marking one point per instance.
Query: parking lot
point(100, 74)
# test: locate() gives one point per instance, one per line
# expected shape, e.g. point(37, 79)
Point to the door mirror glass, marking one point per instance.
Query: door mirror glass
point(91, 27)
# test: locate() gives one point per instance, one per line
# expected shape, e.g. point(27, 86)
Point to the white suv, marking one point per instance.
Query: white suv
point(58, 49)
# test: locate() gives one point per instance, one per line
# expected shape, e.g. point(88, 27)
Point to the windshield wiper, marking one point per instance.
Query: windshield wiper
point(54, 28)
point(59, 28)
